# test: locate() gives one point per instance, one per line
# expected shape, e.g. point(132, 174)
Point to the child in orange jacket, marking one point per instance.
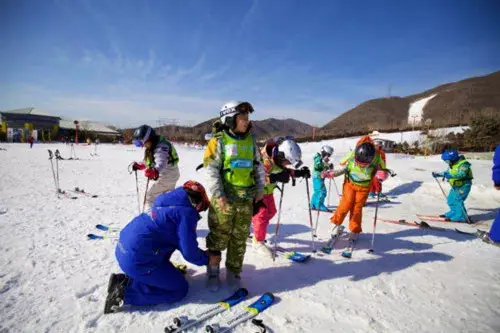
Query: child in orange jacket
point(360, 167)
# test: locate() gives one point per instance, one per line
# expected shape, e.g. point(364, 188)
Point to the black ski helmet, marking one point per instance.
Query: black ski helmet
point(364, 153)
point(144, 133)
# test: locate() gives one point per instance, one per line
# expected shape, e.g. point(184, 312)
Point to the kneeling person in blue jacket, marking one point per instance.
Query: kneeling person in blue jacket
point(147, 243)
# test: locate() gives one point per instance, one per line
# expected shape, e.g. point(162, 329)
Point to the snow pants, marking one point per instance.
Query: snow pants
point(166, 182)
point(352, 202)
point(495, 229)
point(319, 194)
point(163, 284)
point(260, 221)
point(456, 199)
point(230, 230)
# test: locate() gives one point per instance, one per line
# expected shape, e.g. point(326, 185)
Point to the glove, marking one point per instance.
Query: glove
point(257, 206)
point(437, 174)
point(138, 166)
point(328, 174)
point(330, 166)
point(152, 173)
point(283, 177)
point(303, 173)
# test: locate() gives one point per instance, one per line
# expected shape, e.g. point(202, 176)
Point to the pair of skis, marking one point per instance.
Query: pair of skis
point(106, 228)
point(294, 256)
point(337, 232)
point(180, 324)
point(481, 234)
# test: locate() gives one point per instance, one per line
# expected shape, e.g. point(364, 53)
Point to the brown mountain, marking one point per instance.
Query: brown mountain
point(263, 129)
point(454, 104)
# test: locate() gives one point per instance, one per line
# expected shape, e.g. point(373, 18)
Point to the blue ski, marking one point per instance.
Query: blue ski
point(347, 253)
point(98, 237)
point(106, 228)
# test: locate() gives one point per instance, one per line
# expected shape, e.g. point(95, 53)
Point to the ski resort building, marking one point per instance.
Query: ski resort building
point(18, 125)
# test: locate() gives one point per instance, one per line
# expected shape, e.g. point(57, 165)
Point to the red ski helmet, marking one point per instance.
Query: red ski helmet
point(197, 192)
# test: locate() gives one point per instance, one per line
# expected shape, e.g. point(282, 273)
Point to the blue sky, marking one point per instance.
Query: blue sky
point(131, 62)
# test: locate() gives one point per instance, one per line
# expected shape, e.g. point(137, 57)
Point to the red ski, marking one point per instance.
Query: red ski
point(432, 218)
point(422, 225)
point(401, 222)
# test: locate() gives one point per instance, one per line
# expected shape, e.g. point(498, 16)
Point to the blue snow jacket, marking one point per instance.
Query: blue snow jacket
point(496, 167)
point(147, 241)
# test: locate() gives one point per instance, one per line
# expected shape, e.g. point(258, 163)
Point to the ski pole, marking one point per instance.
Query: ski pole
point(145, 196)
point(374, 223)
point(57, 169)
point(316, 225)
point(442, 189)
point(282, 190)
point(329, 191)
point(53, 172)
point(310, 216)
point(336, 188)
point(137, 190)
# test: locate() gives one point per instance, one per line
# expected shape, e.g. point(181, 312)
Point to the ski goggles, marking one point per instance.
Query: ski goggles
point(138, 143)
point(280, 139)
point(245, 108)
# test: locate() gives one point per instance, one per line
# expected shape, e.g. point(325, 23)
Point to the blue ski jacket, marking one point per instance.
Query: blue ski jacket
point(147, 241)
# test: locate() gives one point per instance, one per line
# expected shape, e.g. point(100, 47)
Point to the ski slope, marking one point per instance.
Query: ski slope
point(52, 279)
point(416, 110)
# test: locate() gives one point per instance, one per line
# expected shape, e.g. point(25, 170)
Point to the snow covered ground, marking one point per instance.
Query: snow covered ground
point(52, 279)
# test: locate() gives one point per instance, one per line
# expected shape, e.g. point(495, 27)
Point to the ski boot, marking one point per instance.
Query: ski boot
point(116, 293)
point(261, 248)
point(213, 281)
point(234, 280)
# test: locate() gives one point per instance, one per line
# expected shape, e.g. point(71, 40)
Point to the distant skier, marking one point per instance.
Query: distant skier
point(321, 165)
point(160, 162)
point(495, 227)
point(360, 166)
point(31, 140)
point(281, 156)
point(147, 243)
point(459, 175)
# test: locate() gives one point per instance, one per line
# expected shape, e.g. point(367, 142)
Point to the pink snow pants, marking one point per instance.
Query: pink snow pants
point(260, 221)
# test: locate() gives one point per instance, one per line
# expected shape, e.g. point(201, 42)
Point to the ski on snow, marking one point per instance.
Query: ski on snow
point(347, 253)
point(294, 256)
point(251, 311)
point(82, 192)
point(336, 233)
point(103, 227)
point(422, 225)
point(99, 237)
point(180, 324)
point(481, 234)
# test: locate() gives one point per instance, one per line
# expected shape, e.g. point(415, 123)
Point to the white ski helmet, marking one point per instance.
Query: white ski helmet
point(289, 150)
point(326, 149)
point(229, 111)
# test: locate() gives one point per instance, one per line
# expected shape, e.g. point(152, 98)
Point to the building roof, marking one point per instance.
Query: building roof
point(383, 140)
point(30, 111)
point(87, 126)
